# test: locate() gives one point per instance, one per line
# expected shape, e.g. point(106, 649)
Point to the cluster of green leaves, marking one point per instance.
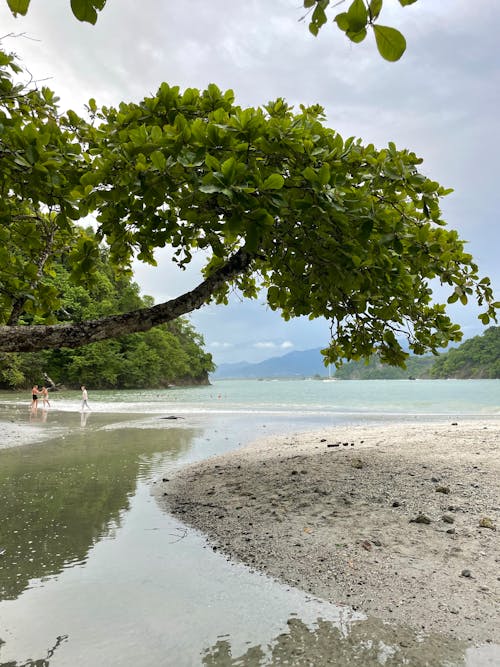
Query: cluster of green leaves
point(478, 357)
point(336, 229)
point(355, 22)
point(167, 354)
point(41, 159)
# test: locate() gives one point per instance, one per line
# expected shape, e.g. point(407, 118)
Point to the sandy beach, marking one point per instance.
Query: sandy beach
point(399, 522)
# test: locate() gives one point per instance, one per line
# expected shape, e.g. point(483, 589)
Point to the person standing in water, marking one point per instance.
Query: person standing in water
point(45, 397)
point(85, 397)
point(34, 397)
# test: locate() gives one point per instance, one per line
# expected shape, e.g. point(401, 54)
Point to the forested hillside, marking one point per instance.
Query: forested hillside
point(416, 367)
point(170, 353)
point(478, 357)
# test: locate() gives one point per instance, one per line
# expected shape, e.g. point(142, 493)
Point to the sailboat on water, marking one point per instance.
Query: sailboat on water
point(330, 378)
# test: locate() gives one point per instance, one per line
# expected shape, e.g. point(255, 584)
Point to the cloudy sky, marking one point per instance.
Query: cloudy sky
point(441, 100)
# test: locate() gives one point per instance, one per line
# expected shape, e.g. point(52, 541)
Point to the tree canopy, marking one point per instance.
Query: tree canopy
point(359, 17)
point(275, 198)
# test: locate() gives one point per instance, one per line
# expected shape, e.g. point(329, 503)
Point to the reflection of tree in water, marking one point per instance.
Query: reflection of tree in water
point(367, 643)
point(61, 497)
point(41, 662)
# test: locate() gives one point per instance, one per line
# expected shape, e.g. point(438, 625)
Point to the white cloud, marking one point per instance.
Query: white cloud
point(265, 345)
point(220, 345)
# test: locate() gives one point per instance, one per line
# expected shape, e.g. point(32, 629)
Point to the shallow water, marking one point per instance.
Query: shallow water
point(353, 400)
point(93, 573)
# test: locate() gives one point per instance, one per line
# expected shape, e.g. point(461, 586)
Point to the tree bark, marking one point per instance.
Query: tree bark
point(42, 337)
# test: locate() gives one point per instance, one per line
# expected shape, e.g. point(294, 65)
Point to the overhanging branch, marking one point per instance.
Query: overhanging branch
point(41, 337)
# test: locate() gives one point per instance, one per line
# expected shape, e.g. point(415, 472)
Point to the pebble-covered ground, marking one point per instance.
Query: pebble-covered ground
point(399, 521)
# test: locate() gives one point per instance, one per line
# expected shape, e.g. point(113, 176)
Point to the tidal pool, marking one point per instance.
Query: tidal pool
point(94, 573)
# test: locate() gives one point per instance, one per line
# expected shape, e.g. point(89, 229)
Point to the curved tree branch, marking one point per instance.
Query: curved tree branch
point(41, 337)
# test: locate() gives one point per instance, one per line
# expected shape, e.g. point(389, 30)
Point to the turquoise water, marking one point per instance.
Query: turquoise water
point(94, 573)
point(355, 399)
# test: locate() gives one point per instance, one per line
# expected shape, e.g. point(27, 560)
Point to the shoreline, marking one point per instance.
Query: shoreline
point(384, 519)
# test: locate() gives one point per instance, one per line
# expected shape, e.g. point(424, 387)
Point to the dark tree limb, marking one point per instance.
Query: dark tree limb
point(41, 337)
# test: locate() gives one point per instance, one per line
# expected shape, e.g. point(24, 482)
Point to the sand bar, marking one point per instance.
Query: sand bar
point(399, 521)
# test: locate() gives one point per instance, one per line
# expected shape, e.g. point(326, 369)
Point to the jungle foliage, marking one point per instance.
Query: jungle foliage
point(416, 367)
point(477, 357)
point(168, 354)
point(278, 201)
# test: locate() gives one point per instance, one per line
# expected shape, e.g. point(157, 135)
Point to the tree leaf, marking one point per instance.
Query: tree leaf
point(357, 16)
point(156, 133)
point(273, 182)
point(324, 174)
point(357, 37)
point(342, 21)
point(18, 6)
point(228, 168)
point(390, 42)
point(374, 8)
point(84, 10)
point(212, 162)
point(158, 160)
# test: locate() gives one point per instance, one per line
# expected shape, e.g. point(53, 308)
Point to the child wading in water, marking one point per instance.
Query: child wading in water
point(45, 397)
point(84, 398)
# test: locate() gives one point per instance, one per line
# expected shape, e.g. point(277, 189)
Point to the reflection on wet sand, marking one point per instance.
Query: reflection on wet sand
point(59, 498)
point(37, 415)
point(84, 416)
point(366, 643)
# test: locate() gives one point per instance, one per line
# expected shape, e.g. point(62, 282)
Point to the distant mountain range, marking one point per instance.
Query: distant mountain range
point(305, 363)
point(309, 363)
point(477, 357)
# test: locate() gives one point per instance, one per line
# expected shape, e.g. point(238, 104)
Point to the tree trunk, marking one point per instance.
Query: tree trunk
point(41, 337)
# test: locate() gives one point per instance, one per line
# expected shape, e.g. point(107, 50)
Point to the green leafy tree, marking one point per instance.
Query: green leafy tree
point(40, 159)
point(277, 200)
point(359, 17)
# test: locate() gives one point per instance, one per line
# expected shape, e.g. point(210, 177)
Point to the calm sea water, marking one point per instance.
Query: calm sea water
point(93, 573)
point(322, 398)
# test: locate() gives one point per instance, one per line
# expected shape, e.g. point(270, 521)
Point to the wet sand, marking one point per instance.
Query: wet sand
point(399, 521)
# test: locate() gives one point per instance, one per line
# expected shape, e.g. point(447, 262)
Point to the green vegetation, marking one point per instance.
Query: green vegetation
point(478, 357)
point(169, 353)
point(328, 227)
point(360, 16)
point(416, 367)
